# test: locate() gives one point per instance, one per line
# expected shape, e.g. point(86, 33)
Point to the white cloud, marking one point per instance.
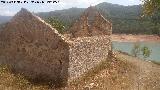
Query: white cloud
point(4, 11)
point(82, 2)
point(131, 0)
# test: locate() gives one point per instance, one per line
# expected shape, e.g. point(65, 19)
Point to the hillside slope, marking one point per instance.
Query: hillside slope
point(121, 73)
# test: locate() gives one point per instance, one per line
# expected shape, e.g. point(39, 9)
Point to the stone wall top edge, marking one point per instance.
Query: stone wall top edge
point(89, 39)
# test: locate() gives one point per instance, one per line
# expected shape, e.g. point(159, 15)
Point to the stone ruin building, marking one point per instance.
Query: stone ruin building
point(30, 46)
point(91, 23)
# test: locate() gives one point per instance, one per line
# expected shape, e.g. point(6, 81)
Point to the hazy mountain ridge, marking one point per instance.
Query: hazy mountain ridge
point(112, 10)
point(66, 15)
point(4, 19)
point(120, 11)
point(125, 19)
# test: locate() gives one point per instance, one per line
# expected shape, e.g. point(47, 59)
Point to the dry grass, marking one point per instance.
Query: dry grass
point(106, 74)
point(112, 74)
point(9, 81)
point(118, 73)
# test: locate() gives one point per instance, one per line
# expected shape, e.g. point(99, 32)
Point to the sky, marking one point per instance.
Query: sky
point(11, 9)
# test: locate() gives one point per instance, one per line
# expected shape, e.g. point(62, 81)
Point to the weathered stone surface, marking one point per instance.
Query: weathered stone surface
point(85, 53)
point(30, 46)
point(91, 23)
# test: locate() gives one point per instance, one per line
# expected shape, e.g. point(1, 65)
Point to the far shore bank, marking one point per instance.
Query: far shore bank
point(135, 38)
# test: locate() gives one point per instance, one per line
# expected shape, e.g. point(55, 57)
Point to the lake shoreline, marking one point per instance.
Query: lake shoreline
point(135, 38)
point(128, 46)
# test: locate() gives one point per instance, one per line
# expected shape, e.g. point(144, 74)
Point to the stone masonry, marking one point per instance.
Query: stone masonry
point(85, 53)
point(33, 48)
point(91, 23)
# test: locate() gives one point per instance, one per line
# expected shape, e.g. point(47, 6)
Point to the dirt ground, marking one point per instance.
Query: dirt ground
point(135, 38)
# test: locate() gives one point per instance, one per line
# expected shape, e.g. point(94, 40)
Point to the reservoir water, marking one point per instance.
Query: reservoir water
point(127, 47)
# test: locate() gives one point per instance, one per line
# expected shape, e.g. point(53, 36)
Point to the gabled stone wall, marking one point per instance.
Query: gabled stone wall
point(91, 23)
point(101, 26)
point(82, 26)
point(31, 47)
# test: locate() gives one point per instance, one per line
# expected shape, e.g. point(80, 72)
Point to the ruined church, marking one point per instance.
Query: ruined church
point(30, 46)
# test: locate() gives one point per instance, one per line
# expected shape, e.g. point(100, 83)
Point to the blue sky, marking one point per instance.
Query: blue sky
point(11, 9)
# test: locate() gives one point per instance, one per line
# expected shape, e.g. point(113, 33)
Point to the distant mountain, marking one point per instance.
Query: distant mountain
point(125, 19)
point(119, 11)
point(4, 19)
point(66, 15)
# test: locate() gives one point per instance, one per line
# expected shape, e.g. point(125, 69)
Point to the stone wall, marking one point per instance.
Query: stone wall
point(91, 23)
point(85, 53)
point(80, 28)
point(31, 47)
point(101, 26)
